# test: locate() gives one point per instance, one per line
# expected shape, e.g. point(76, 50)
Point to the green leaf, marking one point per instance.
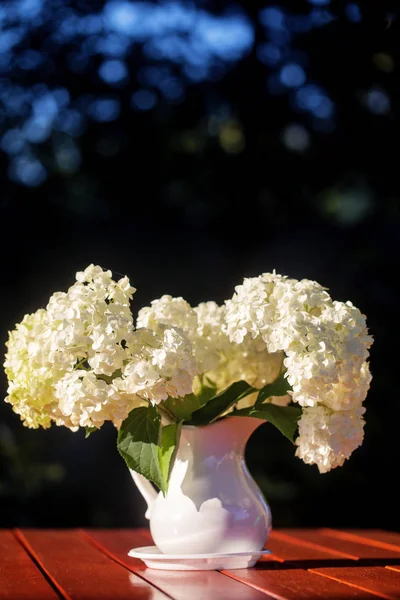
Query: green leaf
point(182, 408)
point(279, 387)
point(138, 443)
point(90, 430)
point(284, 418)
point(167, 451)
point(207, 390)
point(220, 403)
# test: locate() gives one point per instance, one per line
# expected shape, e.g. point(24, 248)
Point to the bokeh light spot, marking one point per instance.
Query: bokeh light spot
point(113, 71)
point(144, 100)
point(273, 17)
point(269, 54)
point(292, 75)
point(36, 130)
point(313, 99)
point(350, 206)
point(231, 137)
point(296, 137)
point(321, 17)
point(12, 141)
point(384, 62)
point(68, 157)
point(105, 109)
point(353, 12)
point(70, 121)
point(27, 170)
point(122, 16)
point(172, 89)
point(377, 101)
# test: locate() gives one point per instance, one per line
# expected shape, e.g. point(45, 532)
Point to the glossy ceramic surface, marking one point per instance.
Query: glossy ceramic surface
point(213, 504)
point(154, 559)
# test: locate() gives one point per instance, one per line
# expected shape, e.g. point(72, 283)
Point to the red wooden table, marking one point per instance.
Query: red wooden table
point(93, 564)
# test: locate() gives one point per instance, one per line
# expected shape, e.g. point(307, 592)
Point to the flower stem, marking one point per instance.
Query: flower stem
point(168, 416)
point(282, 367)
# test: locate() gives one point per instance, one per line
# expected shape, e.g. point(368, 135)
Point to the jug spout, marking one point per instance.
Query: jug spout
point(146, 489)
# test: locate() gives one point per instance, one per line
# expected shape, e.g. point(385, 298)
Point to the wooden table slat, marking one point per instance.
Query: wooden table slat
point(287, 547)
point(388, 540)
point(81, 571)
point(293, 578)
point(381, 581)
point(355, 548)
point(287, 583)
point(393, 567)
point(181, 585)
point(20, 578)
point(374, 578)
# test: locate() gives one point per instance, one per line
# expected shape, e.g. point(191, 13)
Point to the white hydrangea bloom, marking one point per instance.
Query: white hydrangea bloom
point(29, 373)
point(326, 343)
point(79, 362)
point(84, 400)
point(92, 319)
point(160, 364)
point(209, 341)
point(327, 438)
point(202, 325)
point(249, 361)
point(221, 360)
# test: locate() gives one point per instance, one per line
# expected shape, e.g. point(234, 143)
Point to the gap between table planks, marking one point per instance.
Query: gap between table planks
point(19, 576)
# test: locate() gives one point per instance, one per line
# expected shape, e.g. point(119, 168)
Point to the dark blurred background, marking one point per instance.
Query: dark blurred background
point(189, 145)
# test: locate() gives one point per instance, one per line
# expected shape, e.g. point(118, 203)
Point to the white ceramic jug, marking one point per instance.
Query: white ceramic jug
point(213, 505)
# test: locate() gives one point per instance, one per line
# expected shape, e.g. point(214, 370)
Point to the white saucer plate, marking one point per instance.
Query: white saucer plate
point(154, 559)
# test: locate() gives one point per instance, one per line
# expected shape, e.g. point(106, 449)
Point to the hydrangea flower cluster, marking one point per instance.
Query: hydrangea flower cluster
point(326, 346)
point(220, 359)
point(80, 361)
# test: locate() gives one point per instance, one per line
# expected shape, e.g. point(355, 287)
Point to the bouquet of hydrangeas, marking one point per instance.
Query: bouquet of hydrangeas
point(280, 349)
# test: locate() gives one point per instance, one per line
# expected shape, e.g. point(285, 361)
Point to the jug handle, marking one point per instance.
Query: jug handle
point(146, 489)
